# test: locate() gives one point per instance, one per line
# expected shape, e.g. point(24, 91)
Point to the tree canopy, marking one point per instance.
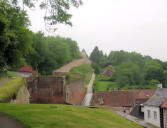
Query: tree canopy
point(50, 52)
point(15, 37)
point(132, 69)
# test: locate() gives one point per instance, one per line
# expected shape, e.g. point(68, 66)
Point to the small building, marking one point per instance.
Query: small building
point(26, 71)
point(109, 71)
point(153, 113)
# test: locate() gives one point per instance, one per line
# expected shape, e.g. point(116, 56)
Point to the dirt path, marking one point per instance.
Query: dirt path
point(89, 94)
point(7, 122)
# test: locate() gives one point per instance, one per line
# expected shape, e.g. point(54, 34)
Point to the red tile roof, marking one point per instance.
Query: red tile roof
point(26, 68)
point(123, 97)
point(164, 104)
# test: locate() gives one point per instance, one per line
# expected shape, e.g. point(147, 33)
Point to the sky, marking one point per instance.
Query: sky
point(130, 25)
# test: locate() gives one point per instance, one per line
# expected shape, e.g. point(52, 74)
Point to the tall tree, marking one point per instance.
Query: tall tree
point(15, 37)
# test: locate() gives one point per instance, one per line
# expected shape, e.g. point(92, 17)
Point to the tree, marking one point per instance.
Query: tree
point(99, 59)
point(56, 11)
point(127, 74)
point(153, 70)
point(15, 37)
point(49, 53)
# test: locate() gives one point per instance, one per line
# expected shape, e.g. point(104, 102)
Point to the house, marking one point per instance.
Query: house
point(25, 71)
point(109, 71)
point(153, 112)
point(122, 100)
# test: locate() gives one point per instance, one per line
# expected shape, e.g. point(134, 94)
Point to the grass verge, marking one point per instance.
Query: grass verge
point(65, 116)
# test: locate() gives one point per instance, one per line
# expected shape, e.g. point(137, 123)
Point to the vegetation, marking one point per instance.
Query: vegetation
point(85, 71)
point(65, 116)
point(10, 88)
point(102, 83)
point(19, 46)
point(50, 53)
point(15, 37)
point(57, 11)
point(98, 59)
point(132, 70)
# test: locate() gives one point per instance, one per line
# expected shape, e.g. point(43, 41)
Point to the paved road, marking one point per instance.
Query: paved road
point(89, 94)
point(7, 122)
point(4, 82)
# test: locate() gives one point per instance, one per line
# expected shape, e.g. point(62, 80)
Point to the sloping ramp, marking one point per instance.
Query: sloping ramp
point(75, 63)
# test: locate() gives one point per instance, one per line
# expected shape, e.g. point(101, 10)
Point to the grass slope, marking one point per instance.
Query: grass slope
point(10, 88)
point(85, 71)
point(65, 116)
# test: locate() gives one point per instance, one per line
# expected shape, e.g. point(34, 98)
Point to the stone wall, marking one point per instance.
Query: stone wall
point(22, 96)
point(47, 89)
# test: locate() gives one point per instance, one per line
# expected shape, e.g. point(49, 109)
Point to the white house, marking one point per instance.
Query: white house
point(152, 107)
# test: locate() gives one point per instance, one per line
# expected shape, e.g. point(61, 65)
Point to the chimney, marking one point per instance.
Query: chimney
point(160, 85)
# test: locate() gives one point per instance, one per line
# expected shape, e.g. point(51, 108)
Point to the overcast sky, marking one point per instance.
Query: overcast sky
point(131, 25)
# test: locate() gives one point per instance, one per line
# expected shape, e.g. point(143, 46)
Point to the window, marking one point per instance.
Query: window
point(149, 115)
point(155, 115)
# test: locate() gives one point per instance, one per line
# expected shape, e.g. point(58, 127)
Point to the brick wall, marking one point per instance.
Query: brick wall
point(46, 89)
point(75, 92)
point(52, 90)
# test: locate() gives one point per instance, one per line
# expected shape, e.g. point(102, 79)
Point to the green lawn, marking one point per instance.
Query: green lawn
point(65, 116)
point(10, 88)
point(104, 84)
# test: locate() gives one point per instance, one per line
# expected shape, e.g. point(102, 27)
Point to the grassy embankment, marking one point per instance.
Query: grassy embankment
point(102, 83)
point(65, 116)
point(10, 88)
point(83, 71)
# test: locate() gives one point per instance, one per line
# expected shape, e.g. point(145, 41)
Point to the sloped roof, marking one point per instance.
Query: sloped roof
point(144, 93)
point(115, 98)
point(123, 97)
point(158, 98)
point(164, 105)
point(26, 68)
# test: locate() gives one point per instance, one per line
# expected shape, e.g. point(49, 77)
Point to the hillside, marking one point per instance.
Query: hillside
point(63, 116)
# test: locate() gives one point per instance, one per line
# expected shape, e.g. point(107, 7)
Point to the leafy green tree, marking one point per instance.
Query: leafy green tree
point(49, 53)
point(153, 70)
point(15, 37)
point(127, 74)
point(99, 59)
